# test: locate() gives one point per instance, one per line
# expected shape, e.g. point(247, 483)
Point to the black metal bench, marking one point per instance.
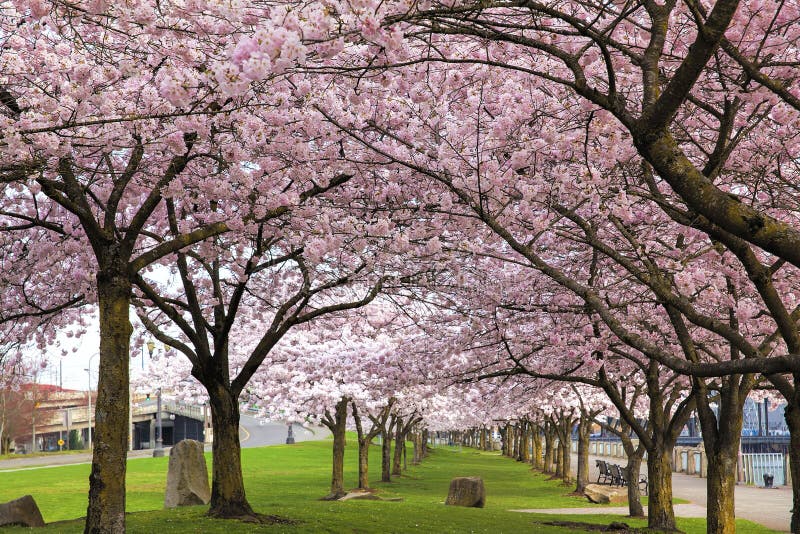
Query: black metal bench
point(617, 475)
point(618, 478)
point(604, 475)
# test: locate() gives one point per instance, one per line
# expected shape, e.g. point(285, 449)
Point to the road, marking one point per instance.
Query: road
point(253, 432)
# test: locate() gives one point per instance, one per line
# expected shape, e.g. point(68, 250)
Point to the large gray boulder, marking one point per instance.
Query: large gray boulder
point(466, 491)
point(187, 478)
point(601, 494)
point(23, 512)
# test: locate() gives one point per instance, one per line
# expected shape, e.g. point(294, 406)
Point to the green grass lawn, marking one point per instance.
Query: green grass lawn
point(288, 481)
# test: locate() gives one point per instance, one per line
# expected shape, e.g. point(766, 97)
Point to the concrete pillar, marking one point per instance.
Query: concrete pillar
point(152, 437)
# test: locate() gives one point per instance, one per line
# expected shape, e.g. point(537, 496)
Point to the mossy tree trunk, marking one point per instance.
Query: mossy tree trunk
point(386, 449)
point(228, 498)
point(660, 514)
point(558, 471)
point(336, 423)
point(633, 469)
point(524, 438)
point(721, 436)
point(399, 445)
point(105, 513)
point(792, 416)
point(536, 461)
point(549, 449)
point(582, 475)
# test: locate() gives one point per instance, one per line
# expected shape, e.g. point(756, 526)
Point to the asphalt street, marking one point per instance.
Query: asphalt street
point(253, 432)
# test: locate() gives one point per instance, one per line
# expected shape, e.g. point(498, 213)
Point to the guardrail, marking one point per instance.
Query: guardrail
point(755, 466)
point(191, 411)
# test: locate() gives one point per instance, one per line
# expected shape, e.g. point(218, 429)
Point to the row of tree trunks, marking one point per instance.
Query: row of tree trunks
point(389, 426)
point(365, 439)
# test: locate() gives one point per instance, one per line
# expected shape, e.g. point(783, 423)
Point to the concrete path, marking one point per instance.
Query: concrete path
point(681, 510)
point(768, 507)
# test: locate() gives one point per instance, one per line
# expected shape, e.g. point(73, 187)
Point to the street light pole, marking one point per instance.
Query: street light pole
point(159, 450)
point(131, 427)
point(89, 406)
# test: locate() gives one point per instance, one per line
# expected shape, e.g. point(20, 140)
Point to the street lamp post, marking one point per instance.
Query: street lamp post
point(89, 405)
point(159, 450)
point(150, 347)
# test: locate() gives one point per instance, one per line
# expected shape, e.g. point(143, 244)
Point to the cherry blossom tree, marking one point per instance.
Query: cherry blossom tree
point(108, 111)
point(484, 167)
point(700, 92)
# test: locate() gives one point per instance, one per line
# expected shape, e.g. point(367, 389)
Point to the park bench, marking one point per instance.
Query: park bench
point(604, 476)
point(618, 478)
point(617, 475)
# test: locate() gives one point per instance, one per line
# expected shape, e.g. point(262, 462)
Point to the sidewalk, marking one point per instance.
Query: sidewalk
point(681, 510)
point(768, 507)
point(25, 462)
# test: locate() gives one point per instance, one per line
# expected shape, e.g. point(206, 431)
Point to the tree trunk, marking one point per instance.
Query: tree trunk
point(721, 484)
point(584, 428)
point(106, 509)
point(721, 436)
point(559, 470)
point(483, 439)
point(549, 438)
point(660, 514)
point(363, 464)
point(524, 450)
point(633, 471)
point(537, 448)
point(386, 451)
point(338, 430)
point(792, 415)
point(228, 498)
point(566, 459)
point(363, 450)
point(399, 445)
point(722, 433)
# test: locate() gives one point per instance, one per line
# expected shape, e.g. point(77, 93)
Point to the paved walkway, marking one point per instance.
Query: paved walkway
point(25, 463)
point(681, 510)
point(768, 507)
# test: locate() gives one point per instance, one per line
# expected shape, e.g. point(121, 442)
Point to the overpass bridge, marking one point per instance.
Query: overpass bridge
point(56, 416)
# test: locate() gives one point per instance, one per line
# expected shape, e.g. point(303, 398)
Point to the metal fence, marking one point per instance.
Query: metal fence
point(755, 466)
